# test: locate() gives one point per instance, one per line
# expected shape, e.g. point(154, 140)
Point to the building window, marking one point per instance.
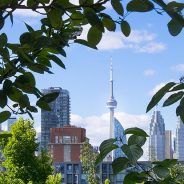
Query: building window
point(69, 168)
point(76, 168)
point(104, 168)
point(67, 153)
point(60, 139)
point(69, 178)
point(56, 139)
point(66, 139)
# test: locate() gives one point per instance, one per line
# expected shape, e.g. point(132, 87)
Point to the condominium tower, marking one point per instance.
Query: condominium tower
point(180, 140)
point(57, 117)
point(168, 144)
point(157, 137)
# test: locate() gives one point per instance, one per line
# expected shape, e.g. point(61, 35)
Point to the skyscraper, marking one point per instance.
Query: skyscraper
point(115, 130)
point(157, 137)
point(10, 122)
point(58, 117)
point(168, 145)
point(180, 140)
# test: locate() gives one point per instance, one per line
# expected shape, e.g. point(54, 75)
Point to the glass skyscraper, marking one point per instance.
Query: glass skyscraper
point(157, 137)
point(121, 137)
point(58, 117)
point(180, 140)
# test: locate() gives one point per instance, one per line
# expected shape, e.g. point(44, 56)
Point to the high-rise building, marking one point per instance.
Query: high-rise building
point(168, 145)
point(180, 140)
point(10, 122)
point(57, 117)
point(121, 137)
point(116, 130)
point(157, 137)
point(66, 143)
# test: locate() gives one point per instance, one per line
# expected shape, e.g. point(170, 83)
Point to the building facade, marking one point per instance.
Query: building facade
point(157, 137)
point(66, 143)
point(10, 122)
point(180, 140)
point(57, 117)
point(168, 145)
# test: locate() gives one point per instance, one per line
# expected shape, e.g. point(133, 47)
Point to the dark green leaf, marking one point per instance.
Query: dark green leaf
point(109, 24)
point(57, 60)
point(3, 40)
point(1, 22)
point(43, 105)
point(173, 98)
point(24, 101)
point(175, 27)
point(54, 16)
point(106, 147)
point(93, 19)
point(136, 131)
point(7, 85)
point(138, 140)
point(120, 164)
point(174, 6)
point(166, 163)
point(133, 178)
point(26, 38)
point(14, 94)
point(85, 43)
point(160, 171)
point(125, 28)
point(4, 116)
point(94, 36)
point(29, 28)
point(177, 87)
point(30, 115)
point(180, 111)
point(50, 97)
point(5, 135)
point(133, 152)
point(140, 6)
point(159, 95)
point(117, 6)
point(32, 109)
point(3, 99)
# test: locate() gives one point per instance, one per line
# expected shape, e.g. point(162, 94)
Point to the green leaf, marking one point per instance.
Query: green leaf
point(138, 140)
point(125, 28)
point(109, 24)
point(24, 101)
point(133, 152)
point(29, 28)
point(160, 171)
point(175, 27)
point(173, 98)
point(85, 43)
point(14, 94)
point(1, 22)
point(120, 164)
point(54, 16)
point(134, 177)
point(136, 131)
point(4, 116)
point(3, 99)
point(166, 163)
point(32, 109)
point(173, 6)
point(56, 60)
point(94, 36)
point(106, 147)
point(159, 95)
point(26, 38)
point(3, 40)
point(177, 87)
point(43, 105)
point(7, 85)
point(93, 19)
point(117, 6)
point(180, 111)
point(50, 97)
point(140, 6)
point(4, 135)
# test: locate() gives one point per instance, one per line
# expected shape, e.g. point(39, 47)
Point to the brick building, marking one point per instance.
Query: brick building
point(66, 142)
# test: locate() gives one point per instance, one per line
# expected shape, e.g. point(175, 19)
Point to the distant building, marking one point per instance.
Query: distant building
point(58, 117)
point(10, 122)
point(66, 143)
point(168, 145)
point(119, 135)
point(157, 137)
point(180, 140)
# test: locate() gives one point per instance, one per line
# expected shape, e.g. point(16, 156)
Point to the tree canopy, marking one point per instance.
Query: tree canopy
point(60, 25)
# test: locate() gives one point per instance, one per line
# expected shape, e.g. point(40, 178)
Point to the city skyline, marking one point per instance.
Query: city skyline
point(143, 63)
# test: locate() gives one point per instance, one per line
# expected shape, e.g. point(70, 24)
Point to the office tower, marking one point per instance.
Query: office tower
point(168, 145)
point(65, 143)
point(157, 137)
point(119, 135)
point(57, 117)
point(10, 122)
point(180, 140)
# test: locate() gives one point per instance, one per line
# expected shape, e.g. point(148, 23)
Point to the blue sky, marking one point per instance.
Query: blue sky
point(142, 63)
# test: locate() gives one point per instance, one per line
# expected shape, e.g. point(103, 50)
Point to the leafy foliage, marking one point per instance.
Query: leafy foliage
point(60, 24)
point(176, 91)
point(160, 172)
point(19, 152)
point(88, 157)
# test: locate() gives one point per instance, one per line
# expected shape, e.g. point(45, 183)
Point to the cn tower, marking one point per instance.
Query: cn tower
point(111, 103)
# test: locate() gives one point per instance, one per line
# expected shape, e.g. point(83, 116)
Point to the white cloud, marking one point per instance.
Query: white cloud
point(178, 68)
point(97, 127)
point(139, 41)
point(149, 72)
